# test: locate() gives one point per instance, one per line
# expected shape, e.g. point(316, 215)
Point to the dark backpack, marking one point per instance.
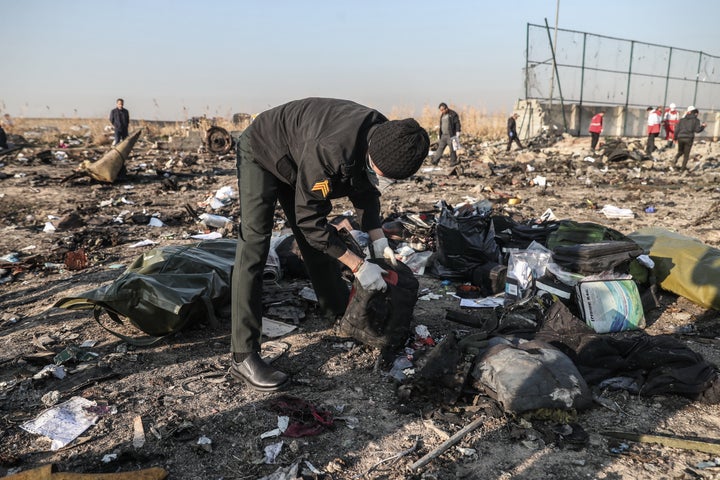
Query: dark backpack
point(164, 290)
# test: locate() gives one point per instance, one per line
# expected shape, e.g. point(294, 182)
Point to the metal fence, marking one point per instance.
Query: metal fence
point(590, 69)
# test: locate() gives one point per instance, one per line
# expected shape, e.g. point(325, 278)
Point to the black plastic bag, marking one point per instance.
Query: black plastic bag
point(464, 242)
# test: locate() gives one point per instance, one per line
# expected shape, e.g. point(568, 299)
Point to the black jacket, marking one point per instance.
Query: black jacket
point(318, 146)
point(512, 127)
point(688, 126)
point(454, 124)
point(120, 119)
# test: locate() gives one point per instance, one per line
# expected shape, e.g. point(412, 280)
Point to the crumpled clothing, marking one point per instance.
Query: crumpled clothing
point(305, 419)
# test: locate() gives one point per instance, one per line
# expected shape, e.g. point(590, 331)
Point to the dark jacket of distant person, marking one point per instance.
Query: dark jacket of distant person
point(307, 142)
point(3, 139)
point(688, 126)
point(454, 124)
point(120, 119)
point(512, 127)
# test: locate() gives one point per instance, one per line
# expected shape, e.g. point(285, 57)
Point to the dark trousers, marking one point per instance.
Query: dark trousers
point(650, 148)
point(594, 138)
point(684, 146)
point(444, 141)
point(513, 138)
point(120, 135)
point(259, 191)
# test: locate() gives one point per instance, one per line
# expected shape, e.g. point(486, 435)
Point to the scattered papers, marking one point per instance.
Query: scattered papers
point(142, 243)
point(271, 452)
point(430, 296)
point(57, 371)
point(282, 424)
point(223, 197)
point(207, 236)
point(611, 211)
point(204, 443)
point(63, 423)
point(489, 302)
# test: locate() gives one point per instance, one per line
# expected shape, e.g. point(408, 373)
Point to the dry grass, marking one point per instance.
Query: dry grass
point(475, 122)
point(98, 132)
point(93, 131)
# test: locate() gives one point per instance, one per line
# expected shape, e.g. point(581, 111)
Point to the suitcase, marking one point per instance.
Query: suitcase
point(588, 258)
point(570, 232)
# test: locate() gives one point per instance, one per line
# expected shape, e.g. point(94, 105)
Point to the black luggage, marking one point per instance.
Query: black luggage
point(510, 234)
point(588, 258)
point(382, 319)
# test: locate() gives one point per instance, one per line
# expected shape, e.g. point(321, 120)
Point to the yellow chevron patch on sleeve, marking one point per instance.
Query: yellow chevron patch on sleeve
point(322, 187)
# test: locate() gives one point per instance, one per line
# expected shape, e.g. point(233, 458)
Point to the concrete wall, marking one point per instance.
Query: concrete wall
point(536, 116)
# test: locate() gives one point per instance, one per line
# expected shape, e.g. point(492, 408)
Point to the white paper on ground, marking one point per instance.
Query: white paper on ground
point(488, 302)
point(63, 423)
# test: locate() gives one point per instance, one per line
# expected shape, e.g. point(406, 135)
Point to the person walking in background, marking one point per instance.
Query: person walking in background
point(512, 132)
point(449, 130)
point(304, 154)
point(120, 119)
point(653, 128)
point(596, 128)
point(685, 132)
point(3, 139)
point(670, 121)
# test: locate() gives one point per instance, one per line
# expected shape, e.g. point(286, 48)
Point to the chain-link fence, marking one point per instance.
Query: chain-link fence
point(592, 69)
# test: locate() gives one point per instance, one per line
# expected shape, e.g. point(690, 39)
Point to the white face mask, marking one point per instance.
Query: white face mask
point(378, 181)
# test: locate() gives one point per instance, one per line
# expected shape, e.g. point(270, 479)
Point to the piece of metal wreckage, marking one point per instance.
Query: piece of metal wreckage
point(218, 140)
point(108, 167)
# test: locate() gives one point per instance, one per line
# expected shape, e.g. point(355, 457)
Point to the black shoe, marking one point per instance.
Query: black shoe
point(258, 374)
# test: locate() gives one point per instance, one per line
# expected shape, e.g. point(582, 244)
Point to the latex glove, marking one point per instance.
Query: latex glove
point(370, 276)
point(381, 249)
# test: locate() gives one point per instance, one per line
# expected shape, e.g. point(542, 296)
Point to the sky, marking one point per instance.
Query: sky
point(174, 59)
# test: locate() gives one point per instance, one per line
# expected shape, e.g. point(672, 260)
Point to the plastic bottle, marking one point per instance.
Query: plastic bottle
point(217, 221)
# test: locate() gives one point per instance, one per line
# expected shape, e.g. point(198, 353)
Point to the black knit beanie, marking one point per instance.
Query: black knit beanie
point(398, 147)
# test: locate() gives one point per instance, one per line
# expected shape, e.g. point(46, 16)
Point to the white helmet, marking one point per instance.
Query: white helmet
point(672, 106)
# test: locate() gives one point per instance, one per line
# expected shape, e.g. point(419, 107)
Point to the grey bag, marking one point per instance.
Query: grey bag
point(530, 375)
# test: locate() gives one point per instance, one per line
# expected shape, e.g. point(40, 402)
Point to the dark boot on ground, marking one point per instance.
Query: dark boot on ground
point(257, 374)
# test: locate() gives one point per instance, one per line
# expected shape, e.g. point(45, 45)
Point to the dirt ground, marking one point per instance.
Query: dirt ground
point(180, 389)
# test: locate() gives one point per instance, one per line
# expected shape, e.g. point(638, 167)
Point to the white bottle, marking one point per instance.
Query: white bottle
point(217, 221)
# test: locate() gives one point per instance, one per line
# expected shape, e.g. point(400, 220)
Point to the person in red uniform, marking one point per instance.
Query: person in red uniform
point(596, 127)
point(653, 128)
point(670, 121)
